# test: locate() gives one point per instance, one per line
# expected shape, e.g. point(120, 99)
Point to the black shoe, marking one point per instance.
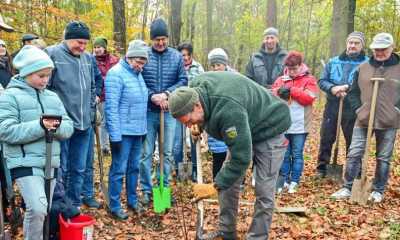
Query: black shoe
point(136, 209)
point(119, 215)
point(91, 203)
point(106, 152)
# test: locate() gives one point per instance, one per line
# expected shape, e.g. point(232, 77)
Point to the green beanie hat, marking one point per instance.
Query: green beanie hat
point(100, 41)
point(182, 101)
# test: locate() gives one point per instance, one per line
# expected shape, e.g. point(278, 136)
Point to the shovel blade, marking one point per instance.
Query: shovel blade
point(335, 172)
point(360, 191)
point(161, 199)
point(185, 171)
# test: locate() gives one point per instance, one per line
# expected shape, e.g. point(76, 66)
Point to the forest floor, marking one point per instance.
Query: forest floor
point(324, 219)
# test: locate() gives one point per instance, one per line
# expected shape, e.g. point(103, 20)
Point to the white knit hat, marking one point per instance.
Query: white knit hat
point(218, 55)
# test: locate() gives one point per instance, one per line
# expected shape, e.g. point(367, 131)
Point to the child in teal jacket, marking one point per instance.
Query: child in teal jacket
point(22, 104)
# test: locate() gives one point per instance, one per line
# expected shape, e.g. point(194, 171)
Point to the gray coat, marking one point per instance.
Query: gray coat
point(256, 69)
point(73, 81)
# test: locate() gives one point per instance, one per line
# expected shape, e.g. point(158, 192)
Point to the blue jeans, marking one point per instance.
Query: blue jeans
point(153, 125)
point(74, 153)
point(125, 163)
point(384, 149)
point(178, 144)
point(293, 162)
point(87, 187)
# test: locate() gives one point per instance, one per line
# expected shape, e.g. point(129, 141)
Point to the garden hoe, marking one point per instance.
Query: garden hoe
point(334, 170)
point(49, 135)
point(161, 194)
point(103, 186)
point(361, 187)
point(185, 167)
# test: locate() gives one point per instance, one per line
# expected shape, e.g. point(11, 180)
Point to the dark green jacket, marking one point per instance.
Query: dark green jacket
point(240, 113)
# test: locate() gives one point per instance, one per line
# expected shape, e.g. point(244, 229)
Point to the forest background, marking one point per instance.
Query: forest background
point(318, 28)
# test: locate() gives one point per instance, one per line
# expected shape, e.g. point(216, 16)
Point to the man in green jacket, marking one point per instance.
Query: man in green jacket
point(251, 122)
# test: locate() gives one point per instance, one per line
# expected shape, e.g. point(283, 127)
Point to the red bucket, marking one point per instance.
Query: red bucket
point(77, 228)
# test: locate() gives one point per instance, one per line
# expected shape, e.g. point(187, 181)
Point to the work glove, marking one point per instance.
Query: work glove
point(202, 191)
point(116, 146)
point(284, 93)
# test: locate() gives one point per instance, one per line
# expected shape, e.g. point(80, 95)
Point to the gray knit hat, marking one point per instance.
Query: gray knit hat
point(271, 31)
point(182, 101)
point(218, 55)
point(137, 48)
point(359, 35)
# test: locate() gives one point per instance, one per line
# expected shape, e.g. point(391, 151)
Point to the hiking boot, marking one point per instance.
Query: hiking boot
point(292, 188)
point(343, 193)
point(375, 197)
point(91, 203)
point(146, 199)
point(119, 215)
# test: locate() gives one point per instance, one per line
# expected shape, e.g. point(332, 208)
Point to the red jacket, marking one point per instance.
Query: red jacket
point(105, 62)
point(303, 92)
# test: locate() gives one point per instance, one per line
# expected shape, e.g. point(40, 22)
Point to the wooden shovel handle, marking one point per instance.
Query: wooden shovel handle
point(339, 121)
point(161, 144)
point(364, 161)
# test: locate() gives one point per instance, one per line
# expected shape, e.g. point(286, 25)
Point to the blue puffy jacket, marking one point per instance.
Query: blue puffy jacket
point(164, 72)
point(126, 102)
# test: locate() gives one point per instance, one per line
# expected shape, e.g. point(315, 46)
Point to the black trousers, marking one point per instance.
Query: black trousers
point(328, 133)
point(218, 161)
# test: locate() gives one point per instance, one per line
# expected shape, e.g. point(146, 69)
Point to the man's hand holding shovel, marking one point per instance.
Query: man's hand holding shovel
point(340, 90)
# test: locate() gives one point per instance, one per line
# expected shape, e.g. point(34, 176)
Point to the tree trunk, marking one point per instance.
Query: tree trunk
point(209, 25)
point(272, 13)
point(308, 29)
point(339, 30)
point(119, 29)
point(192, 24)
point(144, 20)
point(352, 12)
point(175, 22)
point(289, 33)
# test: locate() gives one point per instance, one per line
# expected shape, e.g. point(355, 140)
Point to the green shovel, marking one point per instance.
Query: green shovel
point(161, 194)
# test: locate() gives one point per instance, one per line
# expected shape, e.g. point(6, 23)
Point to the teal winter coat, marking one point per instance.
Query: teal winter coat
point(20, 132)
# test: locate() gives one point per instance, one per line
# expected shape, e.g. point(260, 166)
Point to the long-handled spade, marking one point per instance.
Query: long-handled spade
point(49, 135)
point(362, 186)
point(161, 194)
point(185, 167)
point(200, 204)
point(335, 170)
point(103, 186)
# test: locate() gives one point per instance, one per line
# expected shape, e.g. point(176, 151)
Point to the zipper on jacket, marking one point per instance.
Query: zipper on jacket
point(159, 73)
point(22, 150)
point(40, 102)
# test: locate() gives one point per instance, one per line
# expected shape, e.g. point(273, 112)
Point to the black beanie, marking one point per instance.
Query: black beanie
point(77, 30)
point(158, 28)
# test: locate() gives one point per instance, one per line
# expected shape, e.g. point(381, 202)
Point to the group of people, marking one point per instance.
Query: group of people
point(263, 117)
